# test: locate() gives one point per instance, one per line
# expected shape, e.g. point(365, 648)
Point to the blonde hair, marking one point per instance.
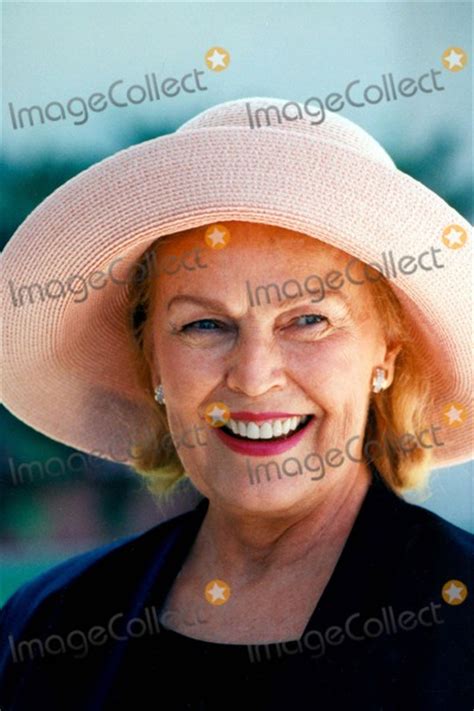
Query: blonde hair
point(397, 411)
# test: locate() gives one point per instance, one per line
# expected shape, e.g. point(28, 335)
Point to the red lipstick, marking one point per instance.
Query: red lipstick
point(261, 447)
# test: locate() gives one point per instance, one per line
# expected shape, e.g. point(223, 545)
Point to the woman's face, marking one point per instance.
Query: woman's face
point(269, 355)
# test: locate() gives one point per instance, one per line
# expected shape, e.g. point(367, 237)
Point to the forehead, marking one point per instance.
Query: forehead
point(258, 238)
point(257, 255)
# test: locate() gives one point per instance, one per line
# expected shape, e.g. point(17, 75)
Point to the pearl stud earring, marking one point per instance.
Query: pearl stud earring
point(378, 381)
point(159, 395)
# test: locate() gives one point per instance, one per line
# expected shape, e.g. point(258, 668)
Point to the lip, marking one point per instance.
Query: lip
point(261, 448)
point(260, 416)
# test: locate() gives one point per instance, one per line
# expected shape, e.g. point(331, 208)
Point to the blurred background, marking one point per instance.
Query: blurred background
point(59, 505)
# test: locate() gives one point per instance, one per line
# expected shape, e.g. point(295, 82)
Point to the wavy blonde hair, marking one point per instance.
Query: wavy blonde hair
point(401, 409)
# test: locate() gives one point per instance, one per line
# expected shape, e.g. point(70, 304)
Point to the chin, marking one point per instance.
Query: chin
point(268, 496)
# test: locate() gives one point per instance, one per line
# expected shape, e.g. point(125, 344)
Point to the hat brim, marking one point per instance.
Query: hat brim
point(69, 371)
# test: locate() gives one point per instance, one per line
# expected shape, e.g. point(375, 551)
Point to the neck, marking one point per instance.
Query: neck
point(250, 545)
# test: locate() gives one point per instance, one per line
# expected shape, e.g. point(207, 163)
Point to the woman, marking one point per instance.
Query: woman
point(274, 319)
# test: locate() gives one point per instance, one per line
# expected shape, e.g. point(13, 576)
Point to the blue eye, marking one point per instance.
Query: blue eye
point(316, 318)
point(209, 325)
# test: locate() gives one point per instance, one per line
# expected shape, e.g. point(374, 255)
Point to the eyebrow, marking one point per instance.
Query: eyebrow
point(289, 301)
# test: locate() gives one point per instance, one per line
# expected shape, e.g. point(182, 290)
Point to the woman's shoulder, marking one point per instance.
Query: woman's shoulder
point(418, 539)
point(95, 577)
point(426, 528)
point(417, 519)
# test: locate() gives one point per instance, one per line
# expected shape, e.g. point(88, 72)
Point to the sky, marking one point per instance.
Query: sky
point(57, 51)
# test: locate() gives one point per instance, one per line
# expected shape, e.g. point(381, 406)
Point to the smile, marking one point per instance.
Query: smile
point(271, 429)
point(263, 437)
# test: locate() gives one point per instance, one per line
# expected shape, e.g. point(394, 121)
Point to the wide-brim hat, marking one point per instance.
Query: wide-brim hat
point(68, 365)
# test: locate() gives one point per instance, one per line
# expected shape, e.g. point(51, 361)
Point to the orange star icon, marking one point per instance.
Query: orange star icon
point(454, 59)
point(217, 414)
point(454, 592)
point(217, 592)
point(454, 236)
point(455, 414)
point(217, 59)
point(217, 236)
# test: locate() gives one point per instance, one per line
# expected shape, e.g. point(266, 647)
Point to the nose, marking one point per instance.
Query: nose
point(256, 365)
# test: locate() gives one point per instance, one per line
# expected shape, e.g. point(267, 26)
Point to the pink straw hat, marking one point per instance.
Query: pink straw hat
point(68, 367)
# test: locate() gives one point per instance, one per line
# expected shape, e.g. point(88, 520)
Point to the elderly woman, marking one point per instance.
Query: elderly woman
point(273, 321)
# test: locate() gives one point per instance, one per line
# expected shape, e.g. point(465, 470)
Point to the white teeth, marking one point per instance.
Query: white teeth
point(277, 428)
point(253, 431)
point(267, 430)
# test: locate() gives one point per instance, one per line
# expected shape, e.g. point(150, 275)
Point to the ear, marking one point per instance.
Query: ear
point(388, 363)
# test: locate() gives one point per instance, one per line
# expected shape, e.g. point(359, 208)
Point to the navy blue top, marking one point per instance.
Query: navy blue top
point(85, 635)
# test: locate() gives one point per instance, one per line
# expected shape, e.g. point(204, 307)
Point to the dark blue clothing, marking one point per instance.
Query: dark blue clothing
point(381, 638)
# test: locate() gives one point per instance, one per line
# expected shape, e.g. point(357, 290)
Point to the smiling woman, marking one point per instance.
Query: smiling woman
point(397, 410)
point(370, 369)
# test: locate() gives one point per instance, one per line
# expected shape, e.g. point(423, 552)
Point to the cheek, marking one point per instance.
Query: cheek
point(187, 371)
point(339, 366)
